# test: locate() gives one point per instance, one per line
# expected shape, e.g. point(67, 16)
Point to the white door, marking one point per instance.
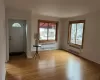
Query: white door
point(16, 35)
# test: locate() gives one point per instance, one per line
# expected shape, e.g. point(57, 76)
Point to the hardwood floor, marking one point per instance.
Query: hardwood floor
point(52, 65)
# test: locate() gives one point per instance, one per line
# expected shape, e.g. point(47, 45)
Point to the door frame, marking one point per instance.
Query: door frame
point(7, 36)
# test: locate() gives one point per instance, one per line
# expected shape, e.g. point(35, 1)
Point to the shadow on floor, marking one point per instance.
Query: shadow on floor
point(12, 77)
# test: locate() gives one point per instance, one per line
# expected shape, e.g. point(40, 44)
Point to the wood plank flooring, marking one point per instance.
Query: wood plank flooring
point(52, 65)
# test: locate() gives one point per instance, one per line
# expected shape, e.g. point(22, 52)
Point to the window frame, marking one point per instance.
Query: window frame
point(47, 21)
point(69, 33)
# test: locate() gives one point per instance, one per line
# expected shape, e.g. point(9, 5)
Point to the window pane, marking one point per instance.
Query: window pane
point(43, 33)
point(73, 33)
point(52, 31)
point(16, 25)
point(47, 30)
point(79, 33)
point(52, 34)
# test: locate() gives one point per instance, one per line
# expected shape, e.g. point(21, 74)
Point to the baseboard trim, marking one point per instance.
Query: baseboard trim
point(77, 54)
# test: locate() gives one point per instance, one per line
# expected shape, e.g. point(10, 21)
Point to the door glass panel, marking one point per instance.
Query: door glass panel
point(16, 25)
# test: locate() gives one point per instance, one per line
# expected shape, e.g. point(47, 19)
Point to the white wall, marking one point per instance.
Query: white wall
point(21, 15)
point(2, 41)
point(91, 46)
point(34, 29)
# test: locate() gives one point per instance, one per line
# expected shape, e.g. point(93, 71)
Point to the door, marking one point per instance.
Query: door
point(17, 39)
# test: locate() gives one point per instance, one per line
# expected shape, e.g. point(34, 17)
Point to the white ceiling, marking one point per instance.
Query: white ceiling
point(56, 8)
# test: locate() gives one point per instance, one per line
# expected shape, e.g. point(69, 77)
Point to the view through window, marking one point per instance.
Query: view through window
point(47, 30)
point(76, 30)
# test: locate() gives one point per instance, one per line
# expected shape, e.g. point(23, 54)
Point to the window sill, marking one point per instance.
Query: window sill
point(76, 46)
point(47, 42)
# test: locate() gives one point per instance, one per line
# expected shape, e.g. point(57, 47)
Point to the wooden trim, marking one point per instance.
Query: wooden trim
point(69, 31)
point(77, 54)
point(75, 46)
point(38, 28)
point(83, 34)
point(69, 34)
point(56, 31)
point(77, 21)
point(47, 41)
point(47, 21)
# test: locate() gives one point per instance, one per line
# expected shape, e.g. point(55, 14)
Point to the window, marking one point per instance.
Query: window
point(76, 33)
point(16, 25)
point(47, 31)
